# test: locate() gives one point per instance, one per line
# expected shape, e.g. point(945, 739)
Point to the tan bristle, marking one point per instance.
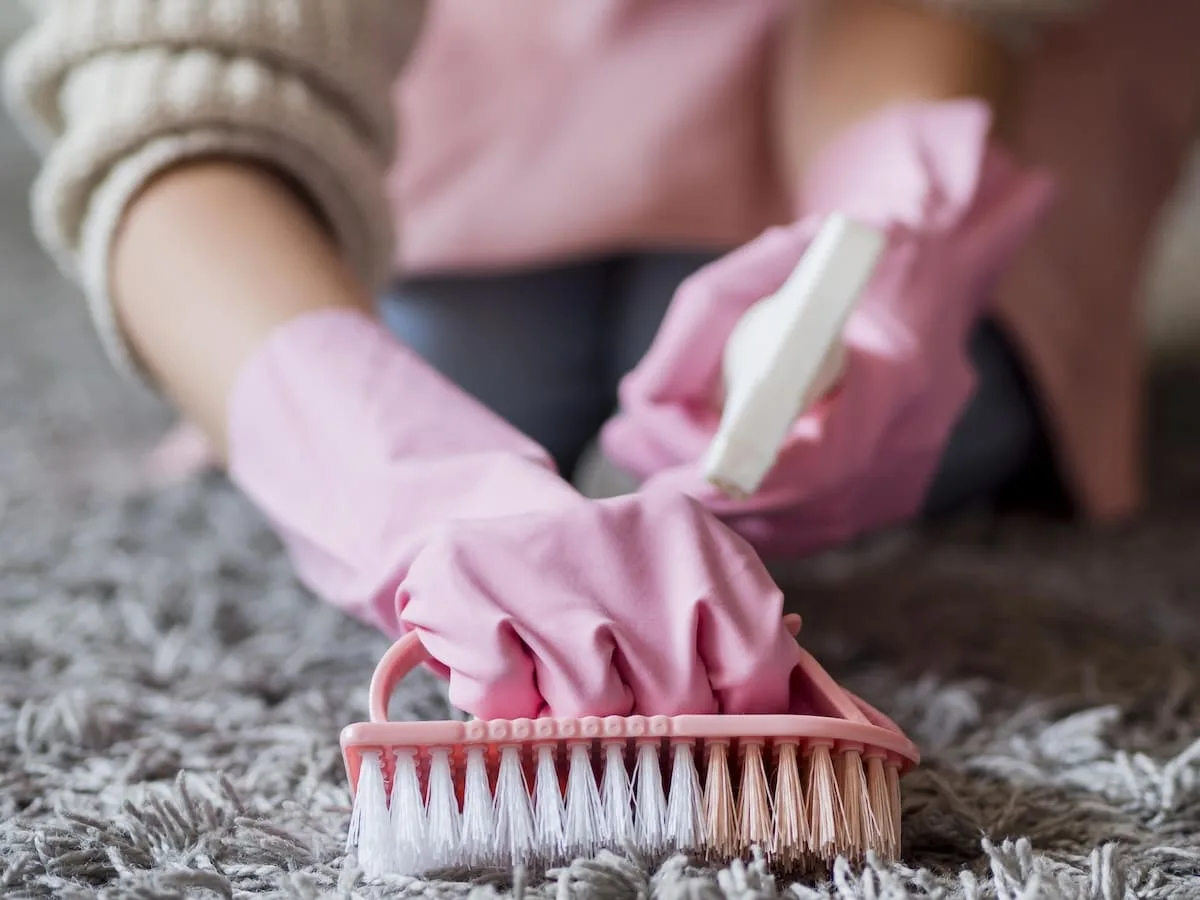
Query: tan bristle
point(720, 813)
point(755, 817)
point(883, 842)
point(790, 841)
point(824, 804)
point(893, 786)
point(856, 805)
point(515, 835)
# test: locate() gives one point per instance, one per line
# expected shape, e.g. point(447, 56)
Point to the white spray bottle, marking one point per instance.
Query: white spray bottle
point(786, 353)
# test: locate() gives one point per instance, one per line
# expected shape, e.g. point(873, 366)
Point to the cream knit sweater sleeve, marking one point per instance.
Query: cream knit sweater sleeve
point(114, 91)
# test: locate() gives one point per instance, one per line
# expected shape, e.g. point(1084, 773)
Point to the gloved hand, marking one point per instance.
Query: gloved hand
point(637, 605)
point(954, 209)
point(405, 502)
point(357, 451)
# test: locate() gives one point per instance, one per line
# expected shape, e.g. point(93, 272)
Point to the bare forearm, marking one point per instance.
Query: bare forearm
point(186, 261)
point(839, 61)
point(210, 258)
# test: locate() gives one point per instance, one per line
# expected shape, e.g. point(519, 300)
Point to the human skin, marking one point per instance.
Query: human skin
point(839, 61)
point(213, 255)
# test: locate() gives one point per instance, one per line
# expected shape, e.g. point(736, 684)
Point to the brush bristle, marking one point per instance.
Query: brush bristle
point(407, 818)
point(878, 792)
point(800, 805)
point(651, 801)
point(790, 843)
point(585, 814)
point(443, 821)
point(721, 839)
point(516, 838)
point(826, 816)
point(685, 806)
point(478, 814)
point(548, 807)
point(617, 792)
point(755, 813)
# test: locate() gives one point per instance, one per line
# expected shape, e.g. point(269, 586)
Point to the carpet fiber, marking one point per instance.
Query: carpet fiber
point(170, 701)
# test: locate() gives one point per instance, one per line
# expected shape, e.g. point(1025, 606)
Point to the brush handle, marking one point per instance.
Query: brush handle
point(400, 659)
point(847, 718)
point(408, 653)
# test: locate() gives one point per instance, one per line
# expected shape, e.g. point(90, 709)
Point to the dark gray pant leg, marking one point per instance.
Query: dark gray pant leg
point(528, 345)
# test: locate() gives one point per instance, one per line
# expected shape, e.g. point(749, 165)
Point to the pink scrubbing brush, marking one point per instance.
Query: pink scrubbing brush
point(803, 789)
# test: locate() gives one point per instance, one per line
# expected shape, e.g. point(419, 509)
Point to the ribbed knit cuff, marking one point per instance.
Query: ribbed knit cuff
point(116, 92)
point(365, 239)
point(203, 106)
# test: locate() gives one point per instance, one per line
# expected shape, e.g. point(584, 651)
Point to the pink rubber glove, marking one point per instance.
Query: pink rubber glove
point(642, 604)
point(955, 209)
point(358, 451)
point(407, 503)
point(182, 454)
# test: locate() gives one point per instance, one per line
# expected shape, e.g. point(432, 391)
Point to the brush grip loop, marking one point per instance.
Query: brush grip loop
point(400, 659)
point(822, 682)
point(408, 653)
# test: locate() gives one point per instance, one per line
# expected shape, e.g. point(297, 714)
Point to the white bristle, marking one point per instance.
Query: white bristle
point(756, 814)
point(442, 817)
point(478, 819)
point(407, 815)
point(651, 820)
point(685, 804)
point(370, 824)
point(584, 815)
point(514, 812)
point(617, 792)
point(548, 806)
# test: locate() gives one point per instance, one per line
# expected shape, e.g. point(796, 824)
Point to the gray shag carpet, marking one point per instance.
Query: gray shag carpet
point(170, 700)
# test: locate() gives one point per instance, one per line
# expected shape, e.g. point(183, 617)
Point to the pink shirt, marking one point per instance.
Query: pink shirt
point(538, 130)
